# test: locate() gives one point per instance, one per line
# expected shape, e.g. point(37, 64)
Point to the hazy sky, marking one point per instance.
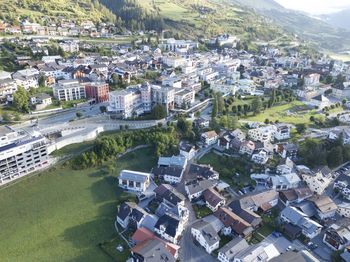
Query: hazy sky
point(316, 6)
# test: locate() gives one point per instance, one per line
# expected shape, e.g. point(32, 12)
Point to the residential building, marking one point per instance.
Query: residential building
point(173, 161)
point(282, 132)
point(169, 228)
point(97, 91)
point(187, 150)
point(325, 206)
point(285, 182)
point(178, 46)
point(184, 98)
point(134, 181)
point(203, 172)
point(67, 90)
point(41, 101)
point(245, 213)
point(168, 174)
point(261, 252)
point(142, 234)
point(262, 201)
point(130, 215)
point(21, 152)
point(260, 157)
point(247, 148)
point(213, 199)
point(295, 195)
point(209, 138)
point(194, 189)
point(310, 228)
point(337, 236)
point(27, 78)
point(201, 123)
point(318, 179)
point(7, 85)
point(343, 209)
point(133, 101)
point(229, 251)
point(263, 134)
point(312, 79)
point(153, 250)
point(164, 96)
point(233, 224)
point(205, 234)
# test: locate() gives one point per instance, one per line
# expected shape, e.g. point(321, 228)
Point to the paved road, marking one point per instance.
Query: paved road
point(190, 252)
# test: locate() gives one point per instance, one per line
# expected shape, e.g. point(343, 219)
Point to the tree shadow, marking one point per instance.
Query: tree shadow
point(104, 189)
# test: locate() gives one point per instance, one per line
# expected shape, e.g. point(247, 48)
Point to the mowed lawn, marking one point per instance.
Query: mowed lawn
point(62, 215)
point(293, 113)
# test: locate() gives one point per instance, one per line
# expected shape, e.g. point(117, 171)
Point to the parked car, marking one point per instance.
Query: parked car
point(276, 234)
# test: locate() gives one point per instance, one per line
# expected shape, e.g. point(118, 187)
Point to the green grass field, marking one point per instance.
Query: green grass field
point(293, 113)
point(62, 214)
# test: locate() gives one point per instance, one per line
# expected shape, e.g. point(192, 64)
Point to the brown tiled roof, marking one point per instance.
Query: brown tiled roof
point(212, 197)
point(230, 219)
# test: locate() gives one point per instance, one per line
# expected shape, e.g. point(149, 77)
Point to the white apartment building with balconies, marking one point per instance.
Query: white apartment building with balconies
point(67, 90)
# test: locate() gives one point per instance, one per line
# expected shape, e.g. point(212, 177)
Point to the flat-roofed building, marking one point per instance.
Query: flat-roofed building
point(97, 91)
point(67, 90)
point(21, 153)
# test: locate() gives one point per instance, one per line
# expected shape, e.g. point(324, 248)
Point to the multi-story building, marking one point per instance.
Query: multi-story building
point(67, 90)
point(7, 85)
point(97, 91)
point(21, 153)
point(27, 78)
point(318, 180)
point(163, 96)
point(184, 98)
point(263, 134)
point(133, 101)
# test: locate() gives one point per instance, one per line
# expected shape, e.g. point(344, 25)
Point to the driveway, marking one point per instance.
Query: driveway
point(323, 252)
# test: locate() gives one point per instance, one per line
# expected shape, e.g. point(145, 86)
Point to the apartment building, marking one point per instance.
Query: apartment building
point(97, 91)
point(133, 101)
point(67, 90)
point(21, 153)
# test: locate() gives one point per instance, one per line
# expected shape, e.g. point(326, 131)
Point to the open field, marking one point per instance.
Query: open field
point(294, 113)
point(64, 214)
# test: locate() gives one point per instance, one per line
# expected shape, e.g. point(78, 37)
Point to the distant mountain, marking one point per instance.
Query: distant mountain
point(260, 4)
point(340, 19)
point(326, 35)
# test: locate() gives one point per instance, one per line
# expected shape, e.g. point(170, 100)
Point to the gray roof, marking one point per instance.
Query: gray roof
point(289, 256)
point(208, 232)
point(232, 248)
point(200, 186)
point(154, 251)
point(134, 176)
point(179, 161)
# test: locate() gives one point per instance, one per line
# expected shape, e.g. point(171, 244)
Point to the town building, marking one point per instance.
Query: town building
point(205, 234)
point(134, 181)
point(99, 92)
point(21, 153)
point(67, 90)
point(318, 179)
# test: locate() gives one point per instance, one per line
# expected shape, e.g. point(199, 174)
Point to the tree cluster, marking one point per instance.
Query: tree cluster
point(315, 153)
point(108, 147)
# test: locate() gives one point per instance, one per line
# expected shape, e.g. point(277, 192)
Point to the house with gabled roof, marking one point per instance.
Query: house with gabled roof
point(205, 234)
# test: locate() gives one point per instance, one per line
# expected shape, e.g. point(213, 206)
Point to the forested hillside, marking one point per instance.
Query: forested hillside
point(43, 11)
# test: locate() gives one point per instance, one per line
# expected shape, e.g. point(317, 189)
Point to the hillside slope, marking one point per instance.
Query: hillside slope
point(317, 31)
point(43, 11)
point(193, 18)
